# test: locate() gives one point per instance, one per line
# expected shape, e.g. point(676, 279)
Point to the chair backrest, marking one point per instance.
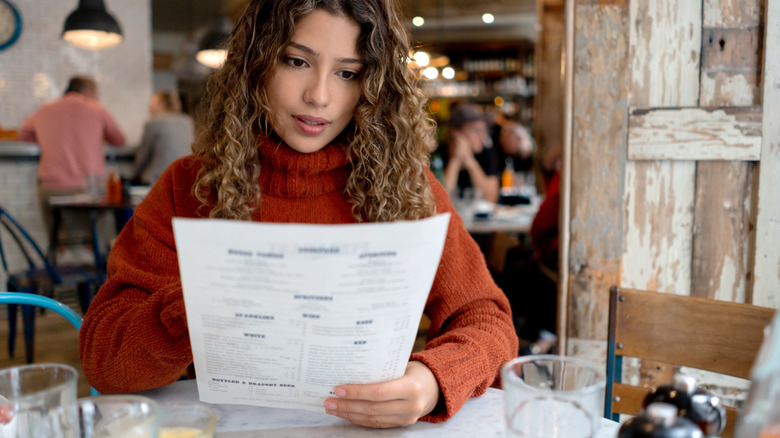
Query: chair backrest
point(706, 334)
point(27, 245)
point(47, 303)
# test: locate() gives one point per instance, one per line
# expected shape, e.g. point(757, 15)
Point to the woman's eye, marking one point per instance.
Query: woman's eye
point(294, 62)
point(349, 75)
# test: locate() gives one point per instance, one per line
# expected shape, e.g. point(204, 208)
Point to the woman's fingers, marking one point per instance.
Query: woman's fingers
point(395, 403)
point(382, 414)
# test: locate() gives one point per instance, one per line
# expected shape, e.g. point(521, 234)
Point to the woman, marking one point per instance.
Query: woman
point(167, 136)
point(315, 117)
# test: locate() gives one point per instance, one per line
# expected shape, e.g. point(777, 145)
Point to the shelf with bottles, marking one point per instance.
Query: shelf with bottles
point(508, 87)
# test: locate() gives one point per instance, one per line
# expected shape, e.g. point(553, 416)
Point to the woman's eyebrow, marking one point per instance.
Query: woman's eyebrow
point(314, 53)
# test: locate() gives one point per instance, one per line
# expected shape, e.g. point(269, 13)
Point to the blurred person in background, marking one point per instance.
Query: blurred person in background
point(168, 135)
point(516, 143)
point(467, 162)
point(71, 133)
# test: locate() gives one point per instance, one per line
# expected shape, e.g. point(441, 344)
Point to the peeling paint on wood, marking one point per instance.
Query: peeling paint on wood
point(721, 236)
point(695, 134)
point(731, 65)
point(723, 218)
point(657, 243)
point(601, 74)
point(732, 13)
point(766, 286)
point(730, 88)
point(665, 39)
point(658, 200)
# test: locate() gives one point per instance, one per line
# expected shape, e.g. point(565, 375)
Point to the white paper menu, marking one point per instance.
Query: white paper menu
point(279, 314)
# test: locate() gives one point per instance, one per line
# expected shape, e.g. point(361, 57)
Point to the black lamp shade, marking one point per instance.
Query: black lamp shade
point(91, 15)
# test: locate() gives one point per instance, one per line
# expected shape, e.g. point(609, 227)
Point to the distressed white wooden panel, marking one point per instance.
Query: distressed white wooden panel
point(695, 134)
point(665, 41)
point(658, 201)
point(766, 286)
point(738, 88)
point(731, 13)
point(658, 240)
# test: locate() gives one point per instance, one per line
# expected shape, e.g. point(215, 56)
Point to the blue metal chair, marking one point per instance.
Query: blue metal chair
point(15, 298)
point(38, 277)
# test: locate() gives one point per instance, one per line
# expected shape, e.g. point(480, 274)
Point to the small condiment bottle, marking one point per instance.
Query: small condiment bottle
point(659, 420)
point(702, 408)
point(508, 177)
point(114, 188)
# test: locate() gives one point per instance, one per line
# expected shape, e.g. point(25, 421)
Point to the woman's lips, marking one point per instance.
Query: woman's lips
point(311, 125)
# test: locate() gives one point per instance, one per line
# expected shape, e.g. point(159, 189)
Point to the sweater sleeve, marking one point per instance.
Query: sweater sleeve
point(134, 336)
point(471, 334)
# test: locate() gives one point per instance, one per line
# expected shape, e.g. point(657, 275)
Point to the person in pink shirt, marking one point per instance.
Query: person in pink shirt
point(71, 132)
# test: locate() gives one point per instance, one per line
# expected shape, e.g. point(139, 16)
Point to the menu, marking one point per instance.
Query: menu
point(279, 314)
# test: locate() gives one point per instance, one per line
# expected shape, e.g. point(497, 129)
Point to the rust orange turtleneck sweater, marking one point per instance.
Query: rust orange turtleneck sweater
point(134, 336)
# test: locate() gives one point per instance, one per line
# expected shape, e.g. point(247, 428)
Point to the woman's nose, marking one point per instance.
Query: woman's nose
point(317, 92)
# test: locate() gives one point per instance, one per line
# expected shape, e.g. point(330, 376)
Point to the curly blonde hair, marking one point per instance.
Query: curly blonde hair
point(388, 141)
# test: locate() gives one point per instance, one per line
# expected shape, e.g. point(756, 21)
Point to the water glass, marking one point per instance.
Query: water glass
point(39, 401)
point(187, 420)
point(119, 416)
point(550, 396)
point(93, 186)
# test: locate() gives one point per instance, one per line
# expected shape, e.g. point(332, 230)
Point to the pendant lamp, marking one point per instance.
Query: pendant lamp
point(211, 49)
point(91, 27)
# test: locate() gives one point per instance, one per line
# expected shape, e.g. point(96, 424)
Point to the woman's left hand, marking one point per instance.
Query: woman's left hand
point(395, 403)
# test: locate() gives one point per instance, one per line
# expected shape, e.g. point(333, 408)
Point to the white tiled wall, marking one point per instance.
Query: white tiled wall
point(37, 67)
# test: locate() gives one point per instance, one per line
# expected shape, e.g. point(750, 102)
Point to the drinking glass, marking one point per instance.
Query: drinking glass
point(187, 420)
point(119, 416)
point(39, 401)
point(93, 186)
point(550, 396)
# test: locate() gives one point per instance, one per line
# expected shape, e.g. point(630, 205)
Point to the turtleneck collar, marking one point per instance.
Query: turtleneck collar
point(289, 173)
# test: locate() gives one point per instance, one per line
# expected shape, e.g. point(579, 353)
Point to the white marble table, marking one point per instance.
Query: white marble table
point(480, 417)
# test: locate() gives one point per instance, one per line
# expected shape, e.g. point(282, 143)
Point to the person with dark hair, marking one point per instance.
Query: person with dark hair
point(467, 162)
point(167, 136)
point(314, 117)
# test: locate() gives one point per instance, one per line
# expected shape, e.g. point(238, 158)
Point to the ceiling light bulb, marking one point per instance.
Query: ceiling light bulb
point(488, 18)
point(431, 73)
point(418, 21)
point(448, 73)
point(422, 59)
point(92, 39)
point(212, 58)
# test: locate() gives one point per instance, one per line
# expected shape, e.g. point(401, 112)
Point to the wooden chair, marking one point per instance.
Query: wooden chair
point(707, 334)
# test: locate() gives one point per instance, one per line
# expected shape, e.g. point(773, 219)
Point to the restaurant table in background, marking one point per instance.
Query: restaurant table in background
point(482, 217)
point(95, 207)
point(480, 417)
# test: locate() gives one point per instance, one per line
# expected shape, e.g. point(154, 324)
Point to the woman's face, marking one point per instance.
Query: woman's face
point(315, 86)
